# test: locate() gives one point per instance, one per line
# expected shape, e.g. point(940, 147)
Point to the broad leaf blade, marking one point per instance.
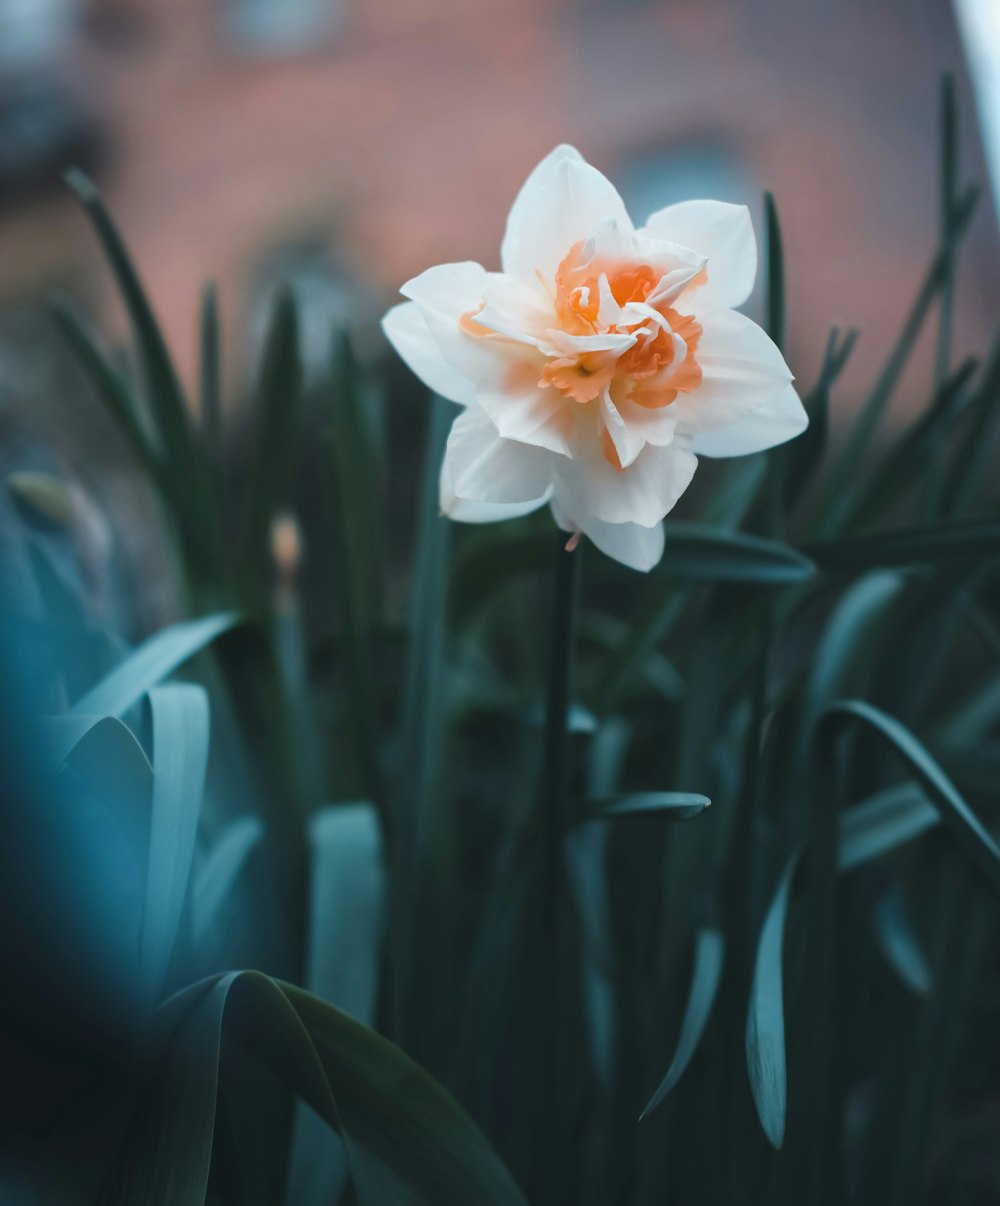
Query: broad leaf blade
point(151, 662)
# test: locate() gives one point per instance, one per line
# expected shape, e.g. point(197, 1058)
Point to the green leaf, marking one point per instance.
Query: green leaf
point(765, 1033)
point(219, 873)
point(391, 1107)
point(165, 394)
point(353, 480)
point(865, 832)
point(899, 943)
point(697, 554)
point(180, 759)
point(775, 320)
point(279, 396)
point(61, 736)
point(957, 816)
point(836, 496)
point(806, 453)
point(422, 720)
point(671, 805)
point(935, 544)
point(708, 956)
point(974, 456)
point(151, 662)
point(907, 462)
point(211, 372)
point(882, 823)
point(346, 918)
point(117, 396)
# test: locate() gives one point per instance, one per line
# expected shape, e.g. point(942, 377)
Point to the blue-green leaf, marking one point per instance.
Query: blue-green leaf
point(708, 955)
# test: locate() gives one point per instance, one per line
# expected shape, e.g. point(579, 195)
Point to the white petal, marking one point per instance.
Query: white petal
point(742, 370)
point(643, 493)
point(487, 468)
point(523, 411)
point(446, 293)
point(407, 331)
point(781, 418)
point(721, 232)
point(637, 547)
point(655, 425)
point(563, 201)
point(513, 309)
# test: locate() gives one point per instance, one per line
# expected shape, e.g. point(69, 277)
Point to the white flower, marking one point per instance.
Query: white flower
point(600, 363)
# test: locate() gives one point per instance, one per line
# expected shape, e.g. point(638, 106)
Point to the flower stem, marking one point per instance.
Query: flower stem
point(552, 802)
point(553, 815)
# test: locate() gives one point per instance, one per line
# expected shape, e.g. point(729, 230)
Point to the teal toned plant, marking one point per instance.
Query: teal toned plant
point(535, 965)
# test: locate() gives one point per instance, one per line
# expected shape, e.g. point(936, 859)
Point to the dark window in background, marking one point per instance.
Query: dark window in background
point(280, 26)
point(652, 177)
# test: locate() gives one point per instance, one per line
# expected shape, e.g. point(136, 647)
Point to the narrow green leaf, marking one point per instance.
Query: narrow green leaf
point(151, 662)
point(354, 494)
point(975, 454)
point(765, 1033)
point(116, 395)
point(899, 943)
point(165, 394)
point(964, 825)
point(907, 462)
point(422, 695)
point(698, 554)
point(934, 544)
point(775, 323)
point(180, 759)
point(806, 453)
point(881, 823)
point(836, 496)
point(708, 954)
point(279, 396)
point(671, 805)
point(211, 372)
point(220, 873)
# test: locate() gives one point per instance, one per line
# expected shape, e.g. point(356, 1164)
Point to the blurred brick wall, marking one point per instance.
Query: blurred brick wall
point(404, 138)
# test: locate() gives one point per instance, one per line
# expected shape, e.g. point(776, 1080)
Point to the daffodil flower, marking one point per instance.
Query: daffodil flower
point(600, 363)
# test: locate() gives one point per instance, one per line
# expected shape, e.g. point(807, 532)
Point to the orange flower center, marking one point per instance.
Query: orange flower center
point(660, 364)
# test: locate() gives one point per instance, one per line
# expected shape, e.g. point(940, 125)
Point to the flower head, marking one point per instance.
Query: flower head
point(599, 363)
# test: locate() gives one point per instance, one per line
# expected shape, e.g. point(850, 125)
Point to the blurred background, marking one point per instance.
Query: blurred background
point(343, 146)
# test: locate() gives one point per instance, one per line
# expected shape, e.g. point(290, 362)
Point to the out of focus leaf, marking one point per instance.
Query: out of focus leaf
point(708, 954)
point(180, 759)
point(806, 452)
point(346, 917)
point(219, 874)
point(835, 499)
point(899, 943)
point(150, 663)
point(765, 1034)
point(697, 554)
point(671, 805)
point(881, 823)
point(116, 395)
point(970, 541)
point(278, 400)
point(165, 394)
point(957, 816)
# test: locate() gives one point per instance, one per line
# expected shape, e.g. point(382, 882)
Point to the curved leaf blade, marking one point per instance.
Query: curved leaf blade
point(150, 663)
point(765, 1032)
point(958, 817)
point(670, 805)
point(708, 956)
